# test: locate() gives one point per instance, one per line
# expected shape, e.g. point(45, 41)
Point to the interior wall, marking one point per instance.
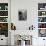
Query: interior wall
point(31, 7)
point(32, 13)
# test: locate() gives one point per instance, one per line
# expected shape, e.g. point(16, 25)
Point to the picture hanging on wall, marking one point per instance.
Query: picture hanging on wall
point(22, 15)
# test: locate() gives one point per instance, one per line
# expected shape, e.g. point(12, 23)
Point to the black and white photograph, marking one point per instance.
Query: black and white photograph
point(22, 15)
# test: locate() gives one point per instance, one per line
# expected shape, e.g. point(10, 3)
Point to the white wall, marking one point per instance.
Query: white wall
point(31, 7)
point(32, 14)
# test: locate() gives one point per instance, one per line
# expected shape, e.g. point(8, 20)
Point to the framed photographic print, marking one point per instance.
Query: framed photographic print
point(22, 15)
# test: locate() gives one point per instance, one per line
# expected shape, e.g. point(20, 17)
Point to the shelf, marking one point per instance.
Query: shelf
point(41, 22)
point(42, 16)
point(42, 19)
point(3, 10)
point(3, 16)
point(41, 10)
point(3, 22)
point(41, 28)
point(4, 19)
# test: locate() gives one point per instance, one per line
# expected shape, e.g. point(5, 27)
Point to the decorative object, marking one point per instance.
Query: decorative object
point(42, 25)
point(6, 7)
point(41, 19)
point(3, 19)
point(31, 27)
point(4, 29)
point(42, 33)
point(43, 13)
point(3, 13)
point(13, 27)
point(3, 6)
